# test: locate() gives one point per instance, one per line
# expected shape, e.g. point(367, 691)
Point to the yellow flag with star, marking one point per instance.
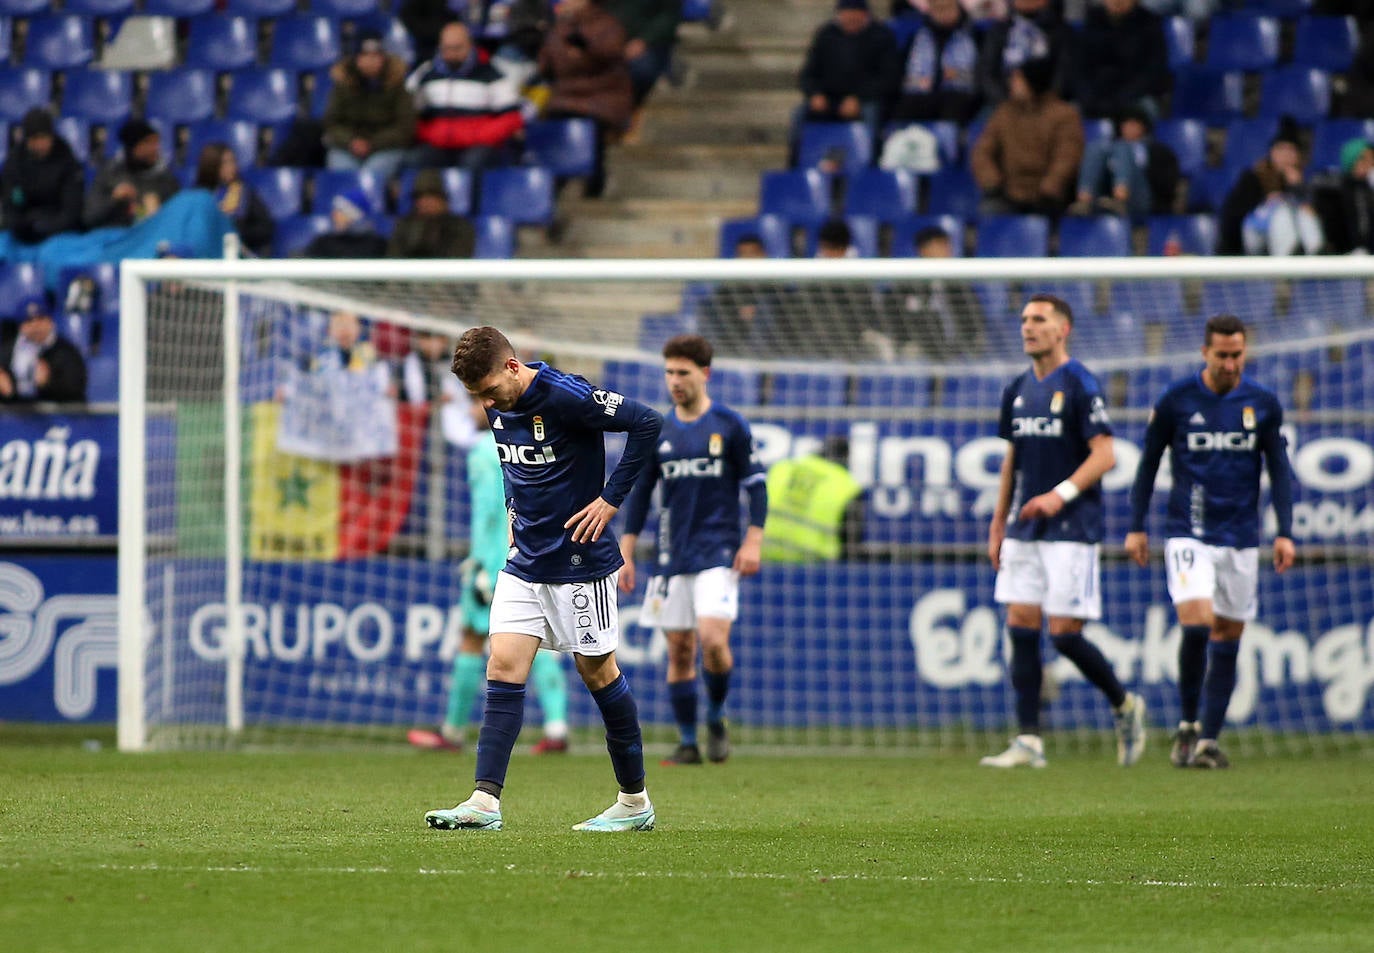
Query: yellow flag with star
point(294, 501)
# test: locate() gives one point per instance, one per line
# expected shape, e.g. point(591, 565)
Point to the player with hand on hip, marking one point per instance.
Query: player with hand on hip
point(1216, 424)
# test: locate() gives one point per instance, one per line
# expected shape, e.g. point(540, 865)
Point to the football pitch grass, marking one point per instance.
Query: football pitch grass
point(328, 851)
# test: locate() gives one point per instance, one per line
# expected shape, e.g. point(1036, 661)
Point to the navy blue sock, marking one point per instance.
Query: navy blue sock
point(623, 740)
point(500, 727)
point(1192, 662)
point(683, 696)
point(1025, 678)
point(1092, 663)
point(1218, 686)
point(717, 687)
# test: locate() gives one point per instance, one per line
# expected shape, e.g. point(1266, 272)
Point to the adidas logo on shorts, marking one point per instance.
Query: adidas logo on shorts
point(587, 639)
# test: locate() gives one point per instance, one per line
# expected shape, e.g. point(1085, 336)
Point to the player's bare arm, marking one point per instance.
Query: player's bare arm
point(1138, 548)
point(997, 530)
point(1285, 553)
point(589, 522)
point(627, 553)
point(748, 558)
point(1101, 458)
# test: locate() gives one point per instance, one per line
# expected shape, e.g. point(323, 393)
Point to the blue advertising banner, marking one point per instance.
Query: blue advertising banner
point(58, 477)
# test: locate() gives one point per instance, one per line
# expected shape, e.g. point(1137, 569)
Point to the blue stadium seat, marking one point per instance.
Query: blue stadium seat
point(77, 132)
point(102, 96)
point(1150, 301)
point(344, 9)
point(887, 195)
point(638, 380)
point(972, 391)
point(1107, 335)
point(303, 42)
point(1243, 42)
point(185, 9)
point(1253, 300)
point(1097, 130)
point(904, 233)
point(495, 237)
point(457, 185)
point(260, 8)
point(523, 195)
point(104, 277)
point(1188, 139)
point(321, 88)
point(99, 8)
point(895, 388)
point(263, 96)
point(734, 387)
point(1098, 236)
point(953, 192)
point(22, 89)
point(179, 96)
point(281, 189)
point(946, 138)
point(904, 29)
point(1201, 92)
point(6, 38)
point(1247, 140)
point(222, 43)
point(1144, 385)
point(294, 232)
point(697, 11)
point(332, 182)
point(1013, 236)
point(850, 144)
point(566, 147)
point(77, 327)
point(1298, 91)
point(807, 389)
point(1326, 43)
point(18, 281)
point(654, 332)
point(1195, 234)
point(395, 39)
point(1179, 40)
point(102, 379)
point(59, 41)
point(1342, 301)
point(1283, 9)
point(772, 230)
point(24, 8)
point(237, 134)
point(863, 236)
point(1329, 135)
point(802, 196)
point(1079, 295)
point(1207, 190)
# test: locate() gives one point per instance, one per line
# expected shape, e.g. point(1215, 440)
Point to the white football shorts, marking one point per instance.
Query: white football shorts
point(1061, 578)
point(1227, 576)
point(675, 603)
point(581, 617)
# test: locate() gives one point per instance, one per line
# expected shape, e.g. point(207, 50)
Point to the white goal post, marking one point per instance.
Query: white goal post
point(268, 597)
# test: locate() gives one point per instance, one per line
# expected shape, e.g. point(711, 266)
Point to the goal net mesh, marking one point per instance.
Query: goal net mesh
point(353, 500)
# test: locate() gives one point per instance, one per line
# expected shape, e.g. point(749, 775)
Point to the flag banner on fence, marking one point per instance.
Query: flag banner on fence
point(339, 413)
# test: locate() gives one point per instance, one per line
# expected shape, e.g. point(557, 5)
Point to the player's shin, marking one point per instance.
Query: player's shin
point(501, 724)
point(1218, 685)
point(624, 741)
point(1026, 676)
point(1192, 663)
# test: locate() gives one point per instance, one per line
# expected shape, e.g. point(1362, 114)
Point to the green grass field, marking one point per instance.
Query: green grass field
point(328, 851)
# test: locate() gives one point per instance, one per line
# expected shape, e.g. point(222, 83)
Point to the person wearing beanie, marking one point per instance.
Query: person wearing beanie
point(1346, 205)
point(42, 183)
point(1036, 30)
point(852, 67)
point(1129, 174)
point(1026, 160)
point(430, 229)
point(135, 183)
point(39, 363)
point(1269, 209)
point(369, 120)
point(354, 233)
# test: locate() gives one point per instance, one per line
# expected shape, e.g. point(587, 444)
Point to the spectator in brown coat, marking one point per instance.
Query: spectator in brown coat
point(584, 59)
point(1027, 158)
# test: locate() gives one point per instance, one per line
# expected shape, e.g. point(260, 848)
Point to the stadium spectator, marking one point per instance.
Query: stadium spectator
point(852, 67)
point(651, 26)
point(1036, 30)
point(815, 507)
point(354, 235)
point(1268, 211)
point(1129, 174)
point(940, 77)
point(583, 58)
point(839, 319)
point(1346, 205)
point(469, 111)
point(369, 120)
point(134, 184)
point(42, 183)
point(429, 229)
point(1027, 158)
point(742, 319)
point(940, 319)
point(38, 363)
point(423, 20)
point(1046, 552)
point(217, 169)
point(701, 553)
point(1122, 62)
point(1211, 557)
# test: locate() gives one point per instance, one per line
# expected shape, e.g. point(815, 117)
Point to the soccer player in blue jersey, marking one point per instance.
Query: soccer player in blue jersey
point(558, 585)
point(1216, 425)
point(705, 457)
point(1046, 529)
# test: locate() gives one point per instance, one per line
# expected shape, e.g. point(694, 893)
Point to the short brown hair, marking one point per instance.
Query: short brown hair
point(479, 352)
point(1223, 324)
point(694, 347)
point(1055, 302)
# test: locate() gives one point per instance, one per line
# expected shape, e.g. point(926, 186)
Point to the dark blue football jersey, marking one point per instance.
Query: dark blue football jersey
point(1215, 442)
point(552, 447)
point(1049, 423)
point(702, 466)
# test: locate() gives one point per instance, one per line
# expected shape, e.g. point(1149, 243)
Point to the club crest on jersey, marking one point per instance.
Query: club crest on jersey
point(715, 445)
point(1057, 402)
point(538, 427)
point(1247, 418)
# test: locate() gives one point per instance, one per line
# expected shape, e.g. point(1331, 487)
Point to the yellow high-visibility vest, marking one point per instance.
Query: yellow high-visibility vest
point(807, 497)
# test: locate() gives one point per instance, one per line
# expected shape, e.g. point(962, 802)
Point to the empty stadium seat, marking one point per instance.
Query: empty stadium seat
point(181, 95)
point(1201, 92)
point(281, 189)
point(222, 43)
point(178, 8)
point(654, 332)
point(637, 380)
point(101, 96)
point(894, 388)
point(263, 96)
point(1097, 130)
point(904, 233)
point(887, 195)
point(18, 281)
point(24, 8)
point(395, 39)
point(1330, 135)
point(1094, 237)
point(102, 379)
point(77, 132)
point(302, 42)
point(321, 89)
point(566, 147)
point(953, 192)
point(772, 230)
point(1242, 41)
point(457, 186)
point(1179, 40)
point(260, 8)
point(332, 182)
point(1194, 234)
point(294, 232)
point(1283, 9)
point(1108, 335)
point(495, 237)
point(523, 195)
point(239, 135)
point(99, 8)
point(1326, 43)
point(1188, 139)
point(1149, 300)
point(849, 144)
point(1342, 301)
point(1208, 189)
point(343, 9)
point(22, 89)
point(734, 387)
point(1298, 91)
point(6, 38)
point(1253, 299)
point(967, 391)
point(1013, 236)
point(799, 195)
point(59, 41)
point(1080, 296)
point(807, 389)
point(1247, 140)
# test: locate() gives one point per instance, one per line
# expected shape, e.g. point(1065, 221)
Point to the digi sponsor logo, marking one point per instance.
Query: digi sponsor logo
point(1204, 441)
point(695, 467)
point(1037, 427)
point(527, 455)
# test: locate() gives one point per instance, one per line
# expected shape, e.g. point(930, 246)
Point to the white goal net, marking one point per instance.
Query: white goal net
point(294, 502)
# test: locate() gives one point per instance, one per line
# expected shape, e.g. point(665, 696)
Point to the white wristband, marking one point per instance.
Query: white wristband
point(1067, 491)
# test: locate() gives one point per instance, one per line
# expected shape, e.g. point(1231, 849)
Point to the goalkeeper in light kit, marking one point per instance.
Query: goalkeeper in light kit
point(1216, 425)
point(558, 587)
point(705, 457)
point(1046, 529)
